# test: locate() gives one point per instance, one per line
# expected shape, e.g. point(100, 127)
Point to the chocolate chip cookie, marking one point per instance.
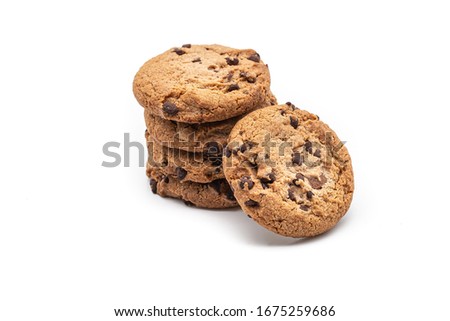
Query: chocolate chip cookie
point(202, 83)
point(185, 166)
point(216, 194)
point(194, 137)
point(289, 171)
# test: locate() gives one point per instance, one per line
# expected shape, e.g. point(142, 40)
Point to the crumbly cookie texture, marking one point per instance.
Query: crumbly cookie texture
point(289, 171)
point(185, 166)
point(202, 83)
point(216, 194)
point(194, 137)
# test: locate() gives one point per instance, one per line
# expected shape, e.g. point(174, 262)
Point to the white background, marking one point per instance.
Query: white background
point(78, 240)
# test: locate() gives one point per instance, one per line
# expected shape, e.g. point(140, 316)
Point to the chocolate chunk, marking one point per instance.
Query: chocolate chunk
point(317, 183)
point(243, 148)
point(187, 203)
point(249, 79)
point(230, 76)
point(153, 185)
point(297, 179)
point(269, 179)
point(197, 60)
point(317, 153)
point(232, 61)
point(216, 185)
point(227, 152)
point(264, 185)
point(297, 159)
point(187, 45)
point(170, 108)
point(216, 161)
point(294, 122)
point(309, 194)
point(246, 180)
point(300, 176)
point(251, 203)
point(179, 52)
point(212, 149)
point(304, 207)
point(308, 146)
point(255, 57)
point(233, 87)
point(165, 179)
point(291, 194)
point(230, 195)
point(181, 173)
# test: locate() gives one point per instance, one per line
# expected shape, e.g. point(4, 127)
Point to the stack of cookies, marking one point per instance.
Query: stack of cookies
point(192, 98)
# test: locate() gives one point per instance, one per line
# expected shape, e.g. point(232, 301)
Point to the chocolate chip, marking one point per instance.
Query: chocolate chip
point(217, 161)
point(246, 180)
point(308, 146)
point(153, 185)
point(233, 87)
point(264, 185)
point(232, 61)
point(197, 60)
point(216, 185)
point(187, 45)
point(269, 179)
point(227, 152)
point(234, 151)
point(170, 108)
point(309, 194)
point(297, 159)
point(179, 52)
point(304, 207)
point(317, 183)
point(288, 103)
point(282, 112)
point(317, 153)
point(230, 195)
point(254, 57)
point(291, 195)
point(187, 203)
point(181, 173)
point(294, 122)
point(246, 146)
point(251, 203)
point(291, 105)
point(249, 216)
point(212, 149)
point(248, 78)
point(165, 179)
point(230, 76)
point(300, 176)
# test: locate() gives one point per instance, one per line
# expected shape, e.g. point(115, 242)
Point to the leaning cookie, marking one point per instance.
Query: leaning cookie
point(185, 166)
point(194, 137)
point(216, 194)
point(289, 171)
point(202, 83)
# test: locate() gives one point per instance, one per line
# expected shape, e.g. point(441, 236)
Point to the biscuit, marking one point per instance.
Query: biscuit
point(194, 137)
point(216, 194)
point(185, 166)
point(202, 83)
point(289, 171)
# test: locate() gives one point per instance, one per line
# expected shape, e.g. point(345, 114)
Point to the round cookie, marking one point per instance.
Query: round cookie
point(216, 194)
point(289, 171)
point(202, 83)
point(193, 137)
point(185, 166)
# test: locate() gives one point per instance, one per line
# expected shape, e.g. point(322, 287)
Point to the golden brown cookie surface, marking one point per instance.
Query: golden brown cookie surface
point(289, 171)
point(202, 83)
